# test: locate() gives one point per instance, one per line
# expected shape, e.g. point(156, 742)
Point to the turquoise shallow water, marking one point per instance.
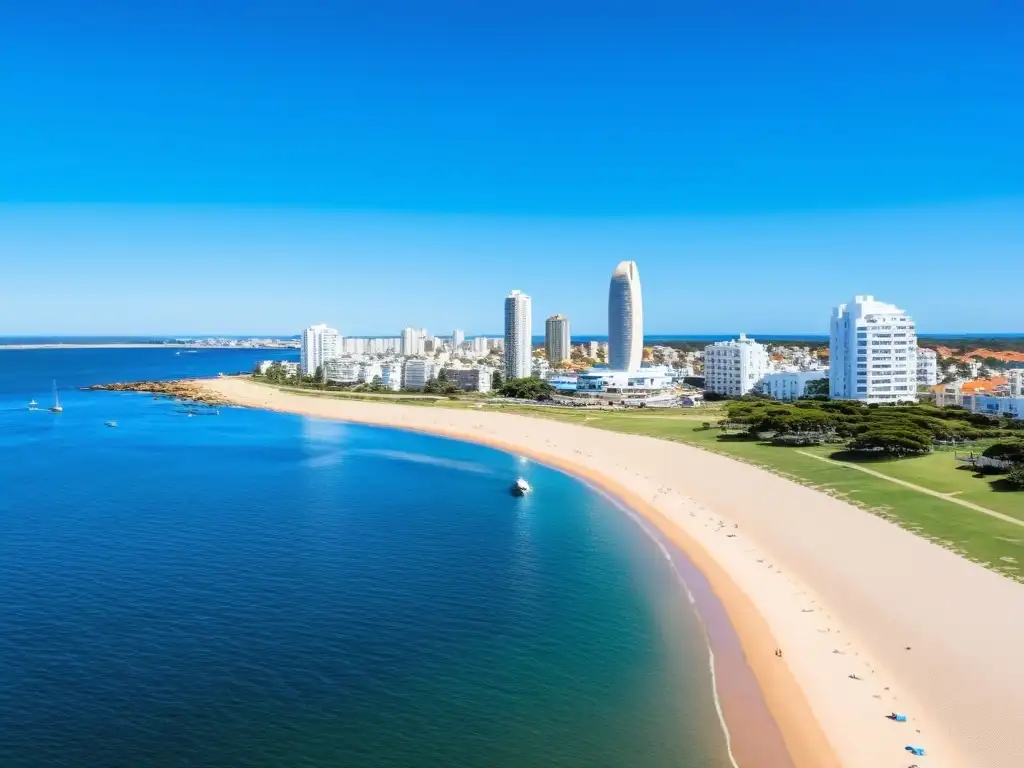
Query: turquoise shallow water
point(257, 589)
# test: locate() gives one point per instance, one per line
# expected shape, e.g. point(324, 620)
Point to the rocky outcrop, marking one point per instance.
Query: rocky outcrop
point(185, 389)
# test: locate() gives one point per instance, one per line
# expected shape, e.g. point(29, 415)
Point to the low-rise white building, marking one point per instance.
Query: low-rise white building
point(733, 368)
point(417, 373)
point(391, 374)
point(789, 385)
point(647, 386)
point(927, 367)
point(342, 371)
point(476, 379)
point(291, 369)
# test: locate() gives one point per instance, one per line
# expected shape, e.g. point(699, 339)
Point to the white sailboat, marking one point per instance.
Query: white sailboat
point(56, 407)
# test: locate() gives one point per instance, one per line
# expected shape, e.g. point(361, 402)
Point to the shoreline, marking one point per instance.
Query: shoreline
point(842, 592)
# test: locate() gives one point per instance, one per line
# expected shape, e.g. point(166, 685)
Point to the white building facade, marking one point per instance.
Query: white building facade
point(789, 385)
point(873, 352)
point(927, 367)
point(413, 341)
point(418, 373)
point(556, 339)
point(319, 344)
point(458, 338)
point(625, 319)
point(471, 379)
point(391, 374)
point(734, 368)
point(518, 335)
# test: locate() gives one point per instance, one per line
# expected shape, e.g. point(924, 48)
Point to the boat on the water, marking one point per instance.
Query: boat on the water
point(520, 487)
point(110, 423)
point(32, 404)
point(56, 407)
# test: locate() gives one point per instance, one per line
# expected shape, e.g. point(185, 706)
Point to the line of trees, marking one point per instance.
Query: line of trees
point(901, 430)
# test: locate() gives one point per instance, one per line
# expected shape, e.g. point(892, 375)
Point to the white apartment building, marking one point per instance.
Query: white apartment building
point(733, 368)
point(1015, 382)
point(556, 339)
point(291, 369)
point(476, 379)
point(391, 374)
point(369, 370)
point(927, 367)
point(418, 373)
point(365, 345)
point(342, 371)
point(414, 341)
point(480, 347)
point(518, 335)
point(873, 351)
point(789, 385)
point(319, 344)
point(458, 338)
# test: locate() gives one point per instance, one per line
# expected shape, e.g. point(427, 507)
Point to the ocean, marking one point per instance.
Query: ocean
point(261, 589)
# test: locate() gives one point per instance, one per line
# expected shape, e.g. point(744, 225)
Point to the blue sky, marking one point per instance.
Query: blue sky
point(253, 167)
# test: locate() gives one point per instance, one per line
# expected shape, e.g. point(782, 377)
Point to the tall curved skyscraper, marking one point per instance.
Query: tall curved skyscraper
point(625, 319)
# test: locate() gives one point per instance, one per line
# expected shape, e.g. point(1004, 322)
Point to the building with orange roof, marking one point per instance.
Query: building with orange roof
point(996, 396)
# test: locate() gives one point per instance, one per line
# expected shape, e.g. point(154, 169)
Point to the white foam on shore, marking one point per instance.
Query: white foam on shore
point(653, 536)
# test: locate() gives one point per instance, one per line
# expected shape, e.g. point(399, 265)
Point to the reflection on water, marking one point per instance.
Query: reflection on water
point(424, 458)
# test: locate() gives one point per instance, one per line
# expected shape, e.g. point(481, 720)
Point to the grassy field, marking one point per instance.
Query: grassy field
point(997, 543)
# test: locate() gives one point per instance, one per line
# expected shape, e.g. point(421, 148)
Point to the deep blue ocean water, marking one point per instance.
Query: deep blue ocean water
point(259, 589)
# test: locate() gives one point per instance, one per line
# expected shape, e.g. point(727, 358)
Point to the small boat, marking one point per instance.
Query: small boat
point(32, 404)
point(110, 423)
point(56, 407)
point(520, 487)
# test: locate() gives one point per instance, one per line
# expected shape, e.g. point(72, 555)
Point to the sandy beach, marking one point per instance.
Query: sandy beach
point(870, 618)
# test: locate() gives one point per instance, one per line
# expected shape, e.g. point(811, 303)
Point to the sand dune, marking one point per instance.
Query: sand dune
point(840, 591)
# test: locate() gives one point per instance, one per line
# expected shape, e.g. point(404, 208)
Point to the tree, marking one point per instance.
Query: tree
point(892, 443)
point(497, 380)
point(530, 388)
point(816, 387)
point(1016, 476)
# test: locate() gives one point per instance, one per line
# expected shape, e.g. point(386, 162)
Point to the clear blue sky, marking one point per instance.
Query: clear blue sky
point(255, 166)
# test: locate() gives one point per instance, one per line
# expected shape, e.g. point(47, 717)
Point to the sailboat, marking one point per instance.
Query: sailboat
point(56, 407)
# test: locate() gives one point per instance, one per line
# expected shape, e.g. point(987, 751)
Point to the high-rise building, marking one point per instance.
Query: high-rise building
point(873, 352)
point(319, 344)
point(414, 341)
point(518, 335)
point(734, 368)
point(556, 339)
point(457, 338)
point(927, 367)
point(625, 319)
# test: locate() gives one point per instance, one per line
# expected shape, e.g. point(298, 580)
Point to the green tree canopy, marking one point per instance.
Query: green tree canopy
point(530, 388)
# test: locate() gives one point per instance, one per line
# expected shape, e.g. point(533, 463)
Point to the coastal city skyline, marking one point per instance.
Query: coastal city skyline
point(530, 384)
